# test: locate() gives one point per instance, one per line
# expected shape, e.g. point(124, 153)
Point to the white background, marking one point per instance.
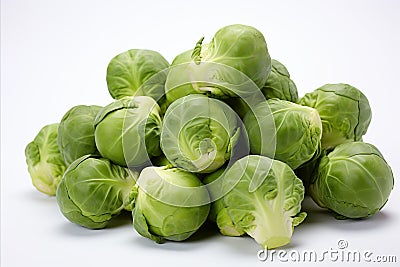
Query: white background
point(54, 55)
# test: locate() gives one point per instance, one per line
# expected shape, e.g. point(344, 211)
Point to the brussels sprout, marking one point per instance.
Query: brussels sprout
point(170, 204)
point(93, 191)
point(127, 131)
point(285, 131)
point(199, 133)
point(353, 180)
point(344, 111)
point(235, 63)
point(263, 198)
point(45, 163)
point(76, 133)
point(279, 85)
point(137, 72)
point(218, 211)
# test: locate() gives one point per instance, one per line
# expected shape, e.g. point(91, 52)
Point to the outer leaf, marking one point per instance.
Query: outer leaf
point(140, 224)
point(93, 190)
point(171, 204)
point(45, 163)
point(344, 110)
point(265, 201)
point(127, 131)
point(76, 133)
point(137, 72)
point(285, 131)
point(353, 180)
point(198, 133)
point(243, 48)
point(218, 211)
point(235, 63)
point(279, 85)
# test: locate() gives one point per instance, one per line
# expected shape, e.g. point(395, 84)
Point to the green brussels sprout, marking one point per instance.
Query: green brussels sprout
point(76, 133)
point(170, 204)
point(344, 111)
point(285, 131)
point(279, 85)
point(137, 72)
point(235, 63)
point(353, 180)
point(218, 211)
point(45, 163)
point(127, 131)
point(262, 197)
point(199, 133)
point(93, 191)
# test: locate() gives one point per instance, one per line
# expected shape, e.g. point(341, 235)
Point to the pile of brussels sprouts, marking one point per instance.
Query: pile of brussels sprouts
point(219, 134)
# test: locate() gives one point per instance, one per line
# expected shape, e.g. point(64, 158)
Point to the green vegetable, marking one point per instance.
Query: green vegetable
point(199, 133)
point(127, 131)
point(76, 133)
point(235, 63)
point(93, 191)
point(218, 211)
point(170, 204)
point(279, 85)
point(285, 131)
point(188, 128)
point(45, 163)
point(344, 111)
point(137, 72)
point(263, 198)
point(353, 180)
